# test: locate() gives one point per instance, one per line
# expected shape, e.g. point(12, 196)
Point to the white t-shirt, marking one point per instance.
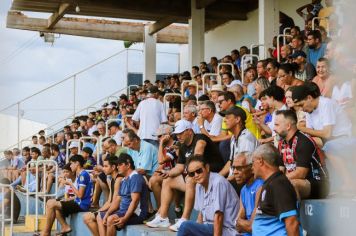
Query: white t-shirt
point(328, 113)
point(214, 127)
point(196, 126)
point(150, 113)
point(117, 137)
point(342, 94)
point(92, 129)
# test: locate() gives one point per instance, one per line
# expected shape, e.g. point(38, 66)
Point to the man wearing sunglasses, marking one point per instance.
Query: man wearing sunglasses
point(242, 169)
point(190, 144)
point(215, 200)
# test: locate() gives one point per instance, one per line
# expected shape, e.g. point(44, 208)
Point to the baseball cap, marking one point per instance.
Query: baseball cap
point(297, 54)
point(163, 129)
point(152, 89)
point(216, 87)
point(181, 126)
point(236, 111)
point(233, 83)
point(73, 145)
point(88, 150)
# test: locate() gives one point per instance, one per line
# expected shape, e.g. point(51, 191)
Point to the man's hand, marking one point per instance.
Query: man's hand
point(105, 219)
point(120, 222)
point(200, 120)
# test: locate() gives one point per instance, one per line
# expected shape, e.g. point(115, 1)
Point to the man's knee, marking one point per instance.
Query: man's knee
point(88, 218)
point(111, 219)
point(52, 203)
point(185, 227)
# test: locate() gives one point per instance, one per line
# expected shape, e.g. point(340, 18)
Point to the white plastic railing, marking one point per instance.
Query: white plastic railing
point(81, 140)
point(3, 212)
point(243, 65)
point(110, 97)
point(52, 133)
point(285, 33)
point(278, 46)
point(218, 78)
point(24, 140)
point(173, 95)
point(37, 194)
point(226, 64)
point(322, 18)
point(129, 88)
point(189, 81)
point(90, 109)
point(252, 46)
point(67, 148)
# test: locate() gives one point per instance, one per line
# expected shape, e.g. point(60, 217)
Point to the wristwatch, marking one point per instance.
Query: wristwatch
point(202, 126)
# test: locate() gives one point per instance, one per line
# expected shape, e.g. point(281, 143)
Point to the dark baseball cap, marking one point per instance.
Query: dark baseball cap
point(236, 111)
point(297, 54)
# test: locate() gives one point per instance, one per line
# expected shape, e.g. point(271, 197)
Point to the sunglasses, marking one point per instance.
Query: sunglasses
point(198, 171)
point(240, 168)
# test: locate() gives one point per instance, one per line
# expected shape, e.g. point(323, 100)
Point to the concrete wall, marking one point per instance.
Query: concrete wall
point(8, 127)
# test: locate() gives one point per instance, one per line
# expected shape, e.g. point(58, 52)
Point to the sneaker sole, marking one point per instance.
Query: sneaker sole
point(150, 226)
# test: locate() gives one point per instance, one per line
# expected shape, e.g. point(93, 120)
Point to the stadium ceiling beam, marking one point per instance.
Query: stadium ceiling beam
point(97, 28)
point(56, 16)
point(160, 24)
point(204, 3)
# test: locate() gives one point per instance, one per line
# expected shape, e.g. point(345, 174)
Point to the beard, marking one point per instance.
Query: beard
point(311, 46)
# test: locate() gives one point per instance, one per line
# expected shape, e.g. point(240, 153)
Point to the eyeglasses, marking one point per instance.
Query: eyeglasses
point(240, 168)
point(198, 171)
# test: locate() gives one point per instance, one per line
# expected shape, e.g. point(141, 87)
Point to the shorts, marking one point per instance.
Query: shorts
point(133, 220)
point(70, 207)
point(318, 189)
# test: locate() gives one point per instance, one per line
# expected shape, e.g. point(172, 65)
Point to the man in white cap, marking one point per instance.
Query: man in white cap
point(175, 179)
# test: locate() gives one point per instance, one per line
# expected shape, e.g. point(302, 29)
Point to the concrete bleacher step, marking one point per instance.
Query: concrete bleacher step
point(28, 228)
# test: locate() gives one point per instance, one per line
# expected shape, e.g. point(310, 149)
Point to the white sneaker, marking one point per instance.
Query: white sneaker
point(176, 226)
point(158, 222)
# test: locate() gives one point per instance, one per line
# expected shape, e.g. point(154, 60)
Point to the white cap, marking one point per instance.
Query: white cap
point(234, 82)
point(73, 145)
point(181, 126)
point(216, 87)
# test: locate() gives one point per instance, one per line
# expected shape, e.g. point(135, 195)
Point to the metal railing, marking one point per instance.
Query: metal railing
point(173, 95)
point(189, 81)
point(37, 194)
point(3, 217)
point(226, 64)
point(322, 18)
point(208, 75)
point(285, 33)
point(72, 79)
point(278, 46)
point(252, 46)
point(108, 122)
point(67, 147)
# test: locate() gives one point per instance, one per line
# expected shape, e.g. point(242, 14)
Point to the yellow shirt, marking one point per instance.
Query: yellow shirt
point(325, 12)
point(250, 124)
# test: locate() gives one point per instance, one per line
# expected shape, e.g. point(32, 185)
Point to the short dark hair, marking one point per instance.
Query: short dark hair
point(34, 136)
point(55, 147)
point(36, 150)
point(316, 34)
point(78, 158)
point(301, 92)
point(112, 160)
point(228, 74)
point(198, 158)
point(276, 92)
point(289, 115)
point(127, 159)
point(111, 141)
point(26, 149)
point(67, 167)
point(228, 96)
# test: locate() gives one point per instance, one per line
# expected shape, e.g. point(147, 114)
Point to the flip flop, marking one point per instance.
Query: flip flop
point(63, 233)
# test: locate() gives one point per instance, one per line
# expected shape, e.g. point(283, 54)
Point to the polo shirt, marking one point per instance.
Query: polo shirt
point(220, 196)
point(146, 158)
point(313, 55)
point(278, 201)
point(134, 183)
point(214, 127)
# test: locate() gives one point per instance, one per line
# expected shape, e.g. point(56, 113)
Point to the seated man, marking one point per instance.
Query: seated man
point(6, 198)
point(216, 201)
point(301, 158)
point(131, 207)
point(242, 168)
point(94, 221)
point(82, 189)
point(191, 144)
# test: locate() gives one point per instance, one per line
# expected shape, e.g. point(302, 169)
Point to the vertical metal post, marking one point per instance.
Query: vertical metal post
point(127, 68)
point(179, 62)
point(3, 211)
point(74, 94)
point(18, 124)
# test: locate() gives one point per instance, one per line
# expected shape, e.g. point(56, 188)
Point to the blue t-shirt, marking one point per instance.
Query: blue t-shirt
point(146, 158)
point(61, 160)
point(314, 54)
point(84, 180)
point(248, 197)
point(134, 183)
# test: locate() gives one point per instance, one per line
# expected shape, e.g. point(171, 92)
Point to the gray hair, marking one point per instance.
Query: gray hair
point(210, 105)
point(263, 82)
point(16, 151)
point(247, 155)
point(192, 109)
point(268, 153)
point(236, 89)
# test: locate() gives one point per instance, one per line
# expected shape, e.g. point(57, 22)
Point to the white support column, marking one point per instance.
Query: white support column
point(196, 35)
point(268, 23)
point(149, 52)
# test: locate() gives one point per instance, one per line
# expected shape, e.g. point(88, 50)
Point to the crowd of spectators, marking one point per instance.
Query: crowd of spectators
point(242, 153)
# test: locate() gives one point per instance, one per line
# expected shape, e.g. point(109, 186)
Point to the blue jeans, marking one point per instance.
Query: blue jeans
point(191, 228)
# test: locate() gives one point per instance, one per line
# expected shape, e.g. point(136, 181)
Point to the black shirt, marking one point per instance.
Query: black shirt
point(301, 151)
point(176, 103)
point(278, 197)
point(211, 153)
point(16, 204)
